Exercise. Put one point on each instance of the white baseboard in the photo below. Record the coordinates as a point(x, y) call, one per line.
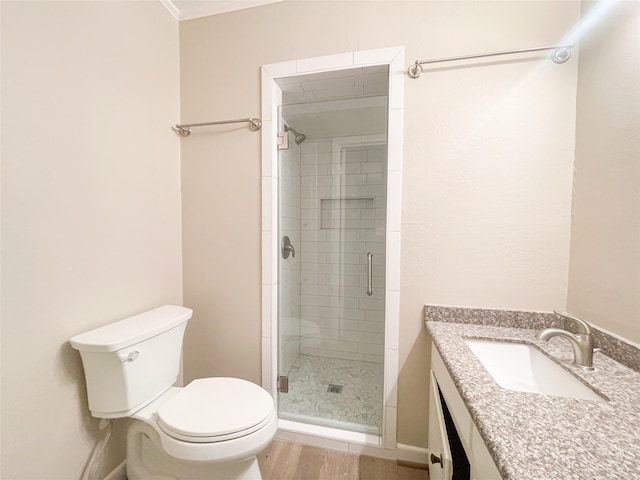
point(405, 453)
point(410, 453)
point(118, 473)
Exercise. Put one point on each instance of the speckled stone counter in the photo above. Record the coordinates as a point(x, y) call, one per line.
point(540, 437)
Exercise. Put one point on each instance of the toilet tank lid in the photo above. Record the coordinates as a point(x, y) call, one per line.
point(131, 330)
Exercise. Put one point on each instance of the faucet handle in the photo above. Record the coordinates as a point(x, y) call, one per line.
point(583, 326)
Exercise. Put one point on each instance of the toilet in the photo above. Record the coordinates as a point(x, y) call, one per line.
point(211, 429)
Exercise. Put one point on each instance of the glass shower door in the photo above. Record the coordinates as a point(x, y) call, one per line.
point(289, 282)
point(332, 219)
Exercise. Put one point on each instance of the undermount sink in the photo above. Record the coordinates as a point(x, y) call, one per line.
point(523, 368)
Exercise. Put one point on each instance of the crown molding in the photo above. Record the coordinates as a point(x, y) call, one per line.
point(211, 7)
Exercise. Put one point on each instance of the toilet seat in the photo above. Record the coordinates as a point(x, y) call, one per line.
point(210, 410)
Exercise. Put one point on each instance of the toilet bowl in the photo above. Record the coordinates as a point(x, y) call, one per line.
point(212, 428)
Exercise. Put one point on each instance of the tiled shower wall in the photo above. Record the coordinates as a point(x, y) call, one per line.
point(343, 206)
point(289, 302)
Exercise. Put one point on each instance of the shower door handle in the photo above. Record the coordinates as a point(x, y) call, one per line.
point(369, 273)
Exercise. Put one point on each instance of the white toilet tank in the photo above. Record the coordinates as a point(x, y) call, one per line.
point(129, 363)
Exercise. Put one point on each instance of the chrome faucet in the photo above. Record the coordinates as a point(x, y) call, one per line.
point(582, 342)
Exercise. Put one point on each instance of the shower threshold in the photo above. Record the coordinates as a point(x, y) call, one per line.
point(331, 423)
point(302, 432)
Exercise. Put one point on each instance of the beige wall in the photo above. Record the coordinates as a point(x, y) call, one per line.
point(488, 154)
point(604, 275)
point(90, 209)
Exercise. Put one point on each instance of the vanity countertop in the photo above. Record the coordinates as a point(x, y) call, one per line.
point(541, 437)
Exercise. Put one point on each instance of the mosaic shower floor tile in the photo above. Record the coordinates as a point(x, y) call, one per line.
point(312, 387)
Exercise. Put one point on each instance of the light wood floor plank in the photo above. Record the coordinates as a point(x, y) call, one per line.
point(339, 466)
point(372, 467)
point(293, 461)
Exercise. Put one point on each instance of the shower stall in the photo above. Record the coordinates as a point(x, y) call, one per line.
point(332, 218)
point(331, 201)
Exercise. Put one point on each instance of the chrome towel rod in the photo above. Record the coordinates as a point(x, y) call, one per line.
point(185, 129)
point(560, 54)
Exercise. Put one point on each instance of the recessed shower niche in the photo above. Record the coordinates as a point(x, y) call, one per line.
point(330, 315)
point(352, 213)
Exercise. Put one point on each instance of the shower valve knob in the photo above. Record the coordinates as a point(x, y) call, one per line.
point(286, 248)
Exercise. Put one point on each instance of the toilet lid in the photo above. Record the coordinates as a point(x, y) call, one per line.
point(216, 409)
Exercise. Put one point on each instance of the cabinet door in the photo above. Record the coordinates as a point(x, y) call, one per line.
point(440, 464)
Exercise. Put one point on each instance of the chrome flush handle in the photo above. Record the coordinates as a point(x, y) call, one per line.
point(132, 355)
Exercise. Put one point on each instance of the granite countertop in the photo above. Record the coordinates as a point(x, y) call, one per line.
point(540, 437)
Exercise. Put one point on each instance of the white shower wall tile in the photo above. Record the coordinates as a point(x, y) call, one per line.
point(395, 138)
point(393, 255)
point(267, 203)
point(397, 77)
point(392, 307)
point(266, 309)
point(374, 338)
point(267, 264)
point(268, 148)
point(337, 346)
point(370, 349)
point(267, 100)
point(391, 376)
point(266, 360)
point(394, 202)
point(390, 431)
point(376, 317)
point(339, 225)
point(370, 325)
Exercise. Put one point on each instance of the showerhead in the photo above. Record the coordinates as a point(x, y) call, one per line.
point(299, 137)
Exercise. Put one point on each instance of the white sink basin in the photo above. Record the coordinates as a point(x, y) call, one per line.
point(524, 368)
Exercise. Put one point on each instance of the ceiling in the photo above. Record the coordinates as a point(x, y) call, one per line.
point(188, 9)
point(340, 103)
point(350, 83)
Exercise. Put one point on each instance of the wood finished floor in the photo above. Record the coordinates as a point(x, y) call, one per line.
point(292, 461)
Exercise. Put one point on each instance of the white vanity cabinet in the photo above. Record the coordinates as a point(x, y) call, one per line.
point(440, 465)
point(446, 450)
